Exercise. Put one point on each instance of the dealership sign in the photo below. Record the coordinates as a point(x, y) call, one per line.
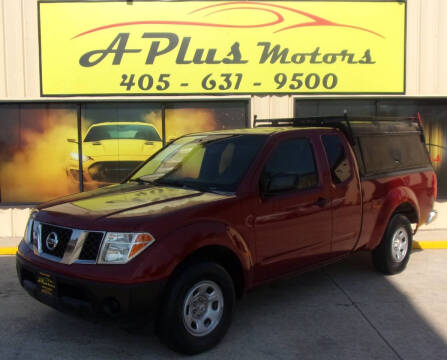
point(221, 47)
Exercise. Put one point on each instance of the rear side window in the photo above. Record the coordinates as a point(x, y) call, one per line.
point(294, 157)
point(392, 153)
point(338, 160)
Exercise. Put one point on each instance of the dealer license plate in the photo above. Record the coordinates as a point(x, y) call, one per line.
point(46, 284)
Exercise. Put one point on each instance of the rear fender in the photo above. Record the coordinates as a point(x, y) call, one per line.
point(395, 198)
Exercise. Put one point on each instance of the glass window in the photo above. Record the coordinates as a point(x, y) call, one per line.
point(188, 118)
point(39, 144)
point(393, 153)
point(294, 157)
point(117, 137)
point(131, 132)
point(205, 162)
point(335, 107)
point(432, 111)
point(338, 161)
point(34, 151)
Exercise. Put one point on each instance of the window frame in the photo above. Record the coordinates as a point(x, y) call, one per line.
point(279, 141)
point(350, 160)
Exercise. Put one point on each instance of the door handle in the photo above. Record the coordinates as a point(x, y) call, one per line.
point(322, 202)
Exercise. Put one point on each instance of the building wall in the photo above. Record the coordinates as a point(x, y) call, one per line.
point(426, 54)
point(426, 73)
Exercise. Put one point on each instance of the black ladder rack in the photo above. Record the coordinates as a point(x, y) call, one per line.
point(353, 126)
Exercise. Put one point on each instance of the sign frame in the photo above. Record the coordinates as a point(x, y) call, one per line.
point(220, 93)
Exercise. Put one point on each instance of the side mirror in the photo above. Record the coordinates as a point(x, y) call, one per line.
point(72, 141)
point(271, 184)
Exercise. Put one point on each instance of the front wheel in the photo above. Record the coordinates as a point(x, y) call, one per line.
point(198, 308)
point(393, 253)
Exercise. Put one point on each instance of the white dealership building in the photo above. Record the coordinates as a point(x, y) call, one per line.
point(187, 66)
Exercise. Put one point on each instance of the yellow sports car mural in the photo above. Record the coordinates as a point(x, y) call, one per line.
point(111, 150)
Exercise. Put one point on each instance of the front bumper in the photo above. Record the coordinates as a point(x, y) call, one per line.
point(90, 297)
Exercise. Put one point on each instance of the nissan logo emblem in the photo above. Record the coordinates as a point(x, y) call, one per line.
point(51, 241)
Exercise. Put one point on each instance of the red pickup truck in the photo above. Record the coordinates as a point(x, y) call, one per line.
point(215, 214)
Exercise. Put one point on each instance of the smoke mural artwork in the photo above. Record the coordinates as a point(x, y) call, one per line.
point(39, 145)
point(33, 155)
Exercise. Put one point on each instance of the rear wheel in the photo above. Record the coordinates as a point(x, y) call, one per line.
point(393, 253)
point(198, 309)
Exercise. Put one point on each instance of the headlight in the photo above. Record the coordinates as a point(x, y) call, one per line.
point(119, 248)
point(75, 156)
point(30, 230)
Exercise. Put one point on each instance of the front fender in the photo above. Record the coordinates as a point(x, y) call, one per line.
point(394, 198)
point(167, 253)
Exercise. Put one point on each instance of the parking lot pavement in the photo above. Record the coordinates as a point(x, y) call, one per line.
point(344, 311)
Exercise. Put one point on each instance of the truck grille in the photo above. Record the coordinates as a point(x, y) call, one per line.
point(63, 244)
point(91, 246)
point(55, 240)
point(112, 171)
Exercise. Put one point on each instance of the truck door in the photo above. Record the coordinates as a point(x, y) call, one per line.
point(292, 226)
point(345, 195)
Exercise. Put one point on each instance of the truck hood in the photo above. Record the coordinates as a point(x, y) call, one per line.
point(124, 200)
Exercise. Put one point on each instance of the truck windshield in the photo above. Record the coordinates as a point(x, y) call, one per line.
point(209, 162)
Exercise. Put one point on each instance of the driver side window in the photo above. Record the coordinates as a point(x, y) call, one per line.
point(292, 161)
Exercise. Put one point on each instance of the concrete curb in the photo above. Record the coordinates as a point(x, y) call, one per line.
point(419, 245)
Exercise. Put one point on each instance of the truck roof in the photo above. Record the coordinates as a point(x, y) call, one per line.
point(262, 130)
point(352, 126)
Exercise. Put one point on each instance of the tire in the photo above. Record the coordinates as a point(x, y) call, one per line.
point(392, 254)
point(198, 308)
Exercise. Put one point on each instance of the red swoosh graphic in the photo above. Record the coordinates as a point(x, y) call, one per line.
point(317, 21)
point(279, 19)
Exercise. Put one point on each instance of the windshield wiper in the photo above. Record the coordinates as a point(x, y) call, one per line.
point(192, 185)
point(174, 183)
point(189, 185)
point(142, 181)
